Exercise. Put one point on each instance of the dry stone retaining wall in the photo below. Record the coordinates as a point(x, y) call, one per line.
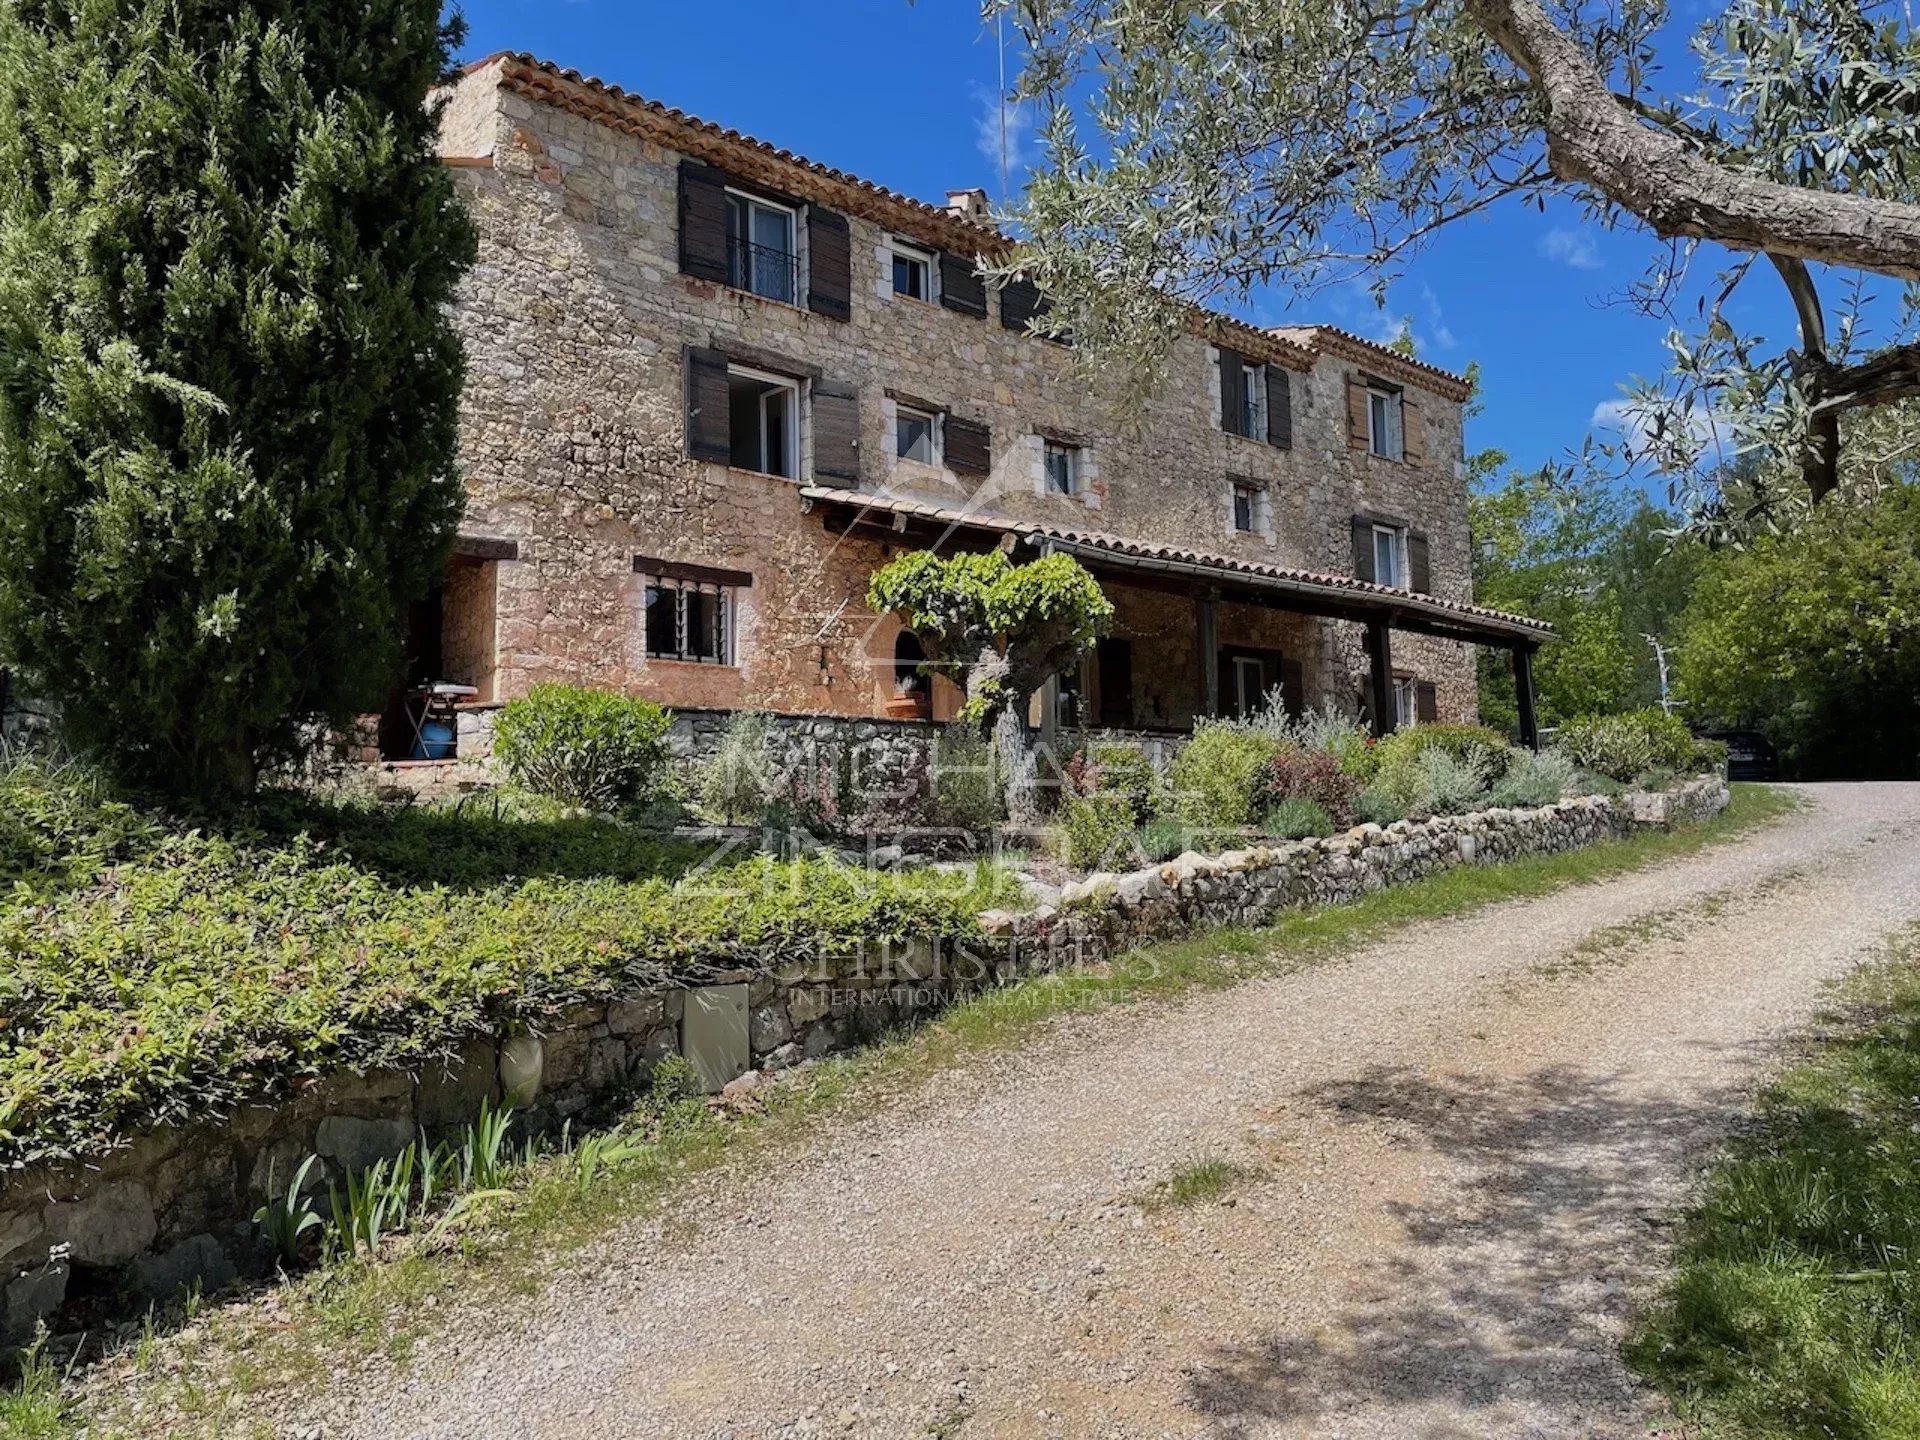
point(174, 1207)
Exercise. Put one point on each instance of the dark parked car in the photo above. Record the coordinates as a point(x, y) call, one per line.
point(1750, 755)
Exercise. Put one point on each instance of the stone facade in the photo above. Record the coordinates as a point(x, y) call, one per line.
point(173, 1207)
point(578, 322)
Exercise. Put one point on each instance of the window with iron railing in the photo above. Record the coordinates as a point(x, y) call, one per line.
point(761, 254)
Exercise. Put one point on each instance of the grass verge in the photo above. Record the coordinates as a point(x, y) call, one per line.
point(228, 1372)
point(1795, 1309)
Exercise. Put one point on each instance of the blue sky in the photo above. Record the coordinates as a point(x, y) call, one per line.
point(905, 94)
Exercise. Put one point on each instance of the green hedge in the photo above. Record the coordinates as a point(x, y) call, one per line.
point(212, 970)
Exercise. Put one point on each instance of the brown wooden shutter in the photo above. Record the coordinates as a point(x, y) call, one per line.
point(1359, 432)
point(1020, 302)
point(708, 432)
point(1426, 702)
point(1413, 432)
point(1293, 686)
point(961, 287)
point(969, 446)
point(1279, 407)
point(1233, 393)
point(829, 264)
point(1419, 563)
point(703, 222)
point(836, 431)
point(1362, 548)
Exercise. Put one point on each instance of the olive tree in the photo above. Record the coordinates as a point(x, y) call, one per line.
point(1196, 150)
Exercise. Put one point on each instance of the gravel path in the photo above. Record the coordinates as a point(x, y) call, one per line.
point(1464, 1137)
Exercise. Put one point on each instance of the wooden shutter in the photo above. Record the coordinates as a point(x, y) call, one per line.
point(1362, 548)
point(969, 446)
point(1233, 393)
point(1359, 432)
point(1419, 563)
point(708, 431)
point(1426, 702)
point(961, 287)
point(703, 222)
point(836, 431)
point(1293, 686)
point(829, 264)
point(1020, 302)
point(1413, 432)
point(1279, 407)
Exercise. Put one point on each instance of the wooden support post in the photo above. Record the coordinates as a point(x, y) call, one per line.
point(1523, 696)
point(1049, 771)
point(1205, 605)
point(1380, 647)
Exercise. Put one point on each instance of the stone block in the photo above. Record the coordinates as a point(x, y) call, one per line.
point(198, 1261)
point(522, 1060)
point(27, 1299)
point(768, 1027)
point(109, 1227)
point(353, 1142)
point(451, 1090)
point(637, 1014)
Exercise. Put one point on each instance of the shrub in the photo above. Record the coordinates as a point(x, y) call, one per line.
point(1297, 818)
point(1118, 769)
point(1215, 777)
point(967, 789)
point(61, 822)
point(1535, 779)
point(733, 783)
point(1424, 781)
point(1377, 807)
point(583, 747)
point(1624, 747)
point(1161, 840)
point(1098, 829)
point(1313, 775)
point(1474, 745)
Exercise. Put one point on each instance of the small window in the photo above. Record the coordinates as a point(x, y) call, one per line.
point(1406, 702)
point(1253, 418)
point(912, 272)
point(916, 436)
point(1246, 509)
point(688, 620)
point(1384, 424)
point(1249, 685)
point(1063, 468)
point(1387, 569)
point(763, 418)
point(760, 248)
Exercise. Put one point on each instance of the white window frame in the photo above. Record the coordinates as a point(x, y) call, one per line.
point(1244, 704)
point(1253, 390)
point(1396, 539)
point(793, 245)
point(901, 250)
point(1392, 444)
point(792, 388)
point(725, 613)
point(1075, 468)
point(935, 436)
point(1406, 702)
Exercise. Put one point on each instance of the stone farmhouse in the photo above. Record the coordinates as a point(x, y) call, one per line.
point(714, 385)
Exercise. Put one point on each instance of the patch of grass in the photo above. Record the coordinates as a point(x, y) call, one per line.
point(1198, 1182)
point(332, 1318)
point(1795, 1309)
point(33, 1408)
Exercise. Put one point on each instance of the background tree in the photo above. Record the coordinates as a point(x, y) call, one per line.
point(1814, 638)
point(1196, 151)
point(228, 378)
point(1005, 628)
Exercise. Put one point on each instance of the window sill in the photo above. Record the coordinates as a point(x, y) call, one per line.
point(679, 664)
point(722, 288)
point(761, 474)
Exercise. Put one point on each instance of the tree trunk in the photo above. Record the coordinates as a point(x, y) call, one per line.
point(998, 713)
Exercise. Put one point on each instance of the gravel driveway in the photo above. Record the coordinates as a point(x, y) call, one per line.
point(1465, 1140)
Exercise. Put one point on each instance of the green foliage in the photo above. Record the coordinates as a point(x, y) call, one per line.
point(1312, 775)
point(1474, 745)
point(1796, 1307)
point(1011, 625)
point(732, 785)
point(215, 969)
point(1436, 779)
point(967, 789)
point(1535, 779)
point(228, 252)
point(1296, 818)
point(1814, 638)
point(1161, 840)
point(286, 1218)
point(1216, 776)
point(1119, 769)
point(583, 747)
point(1377, 807)
point(33, 1407)
point(62, 822)
point(1625, 747)
point(1098, 830)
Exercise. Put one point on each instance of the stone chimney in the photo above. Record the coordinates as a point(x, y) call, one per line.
point(969, 205)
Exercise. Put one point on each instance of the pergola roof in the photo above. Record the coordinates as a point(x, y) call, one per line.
point(1339, 596)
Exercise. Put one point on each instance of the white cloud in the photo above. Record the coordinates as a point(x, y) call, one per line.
point(1641, 426)
point(987, 133)
point(1572, 248)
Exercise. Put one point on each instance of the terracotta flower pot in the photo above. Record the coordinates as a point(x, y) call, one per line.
point(910, 706)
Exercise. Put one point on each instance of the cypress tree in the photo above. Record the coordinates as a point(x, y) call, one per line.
point(229, 380)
